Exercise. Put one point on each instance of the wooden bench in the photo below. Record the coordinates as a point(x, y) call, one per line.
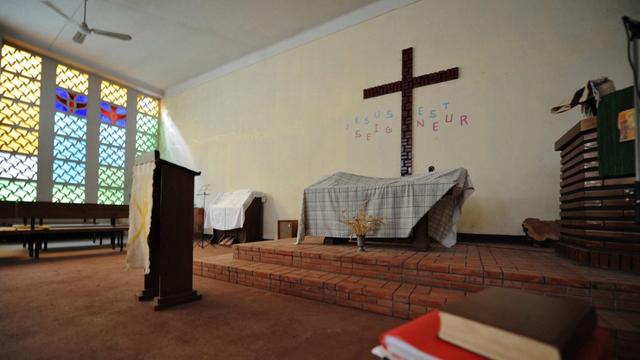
point(37, 235)
point(37, 239)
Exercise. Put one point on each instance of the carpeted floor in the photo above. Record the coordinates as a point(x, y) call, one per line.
point(80, 304)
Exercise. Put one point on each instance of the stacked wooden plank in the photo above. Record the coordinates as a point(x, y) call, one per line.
point(597, 215)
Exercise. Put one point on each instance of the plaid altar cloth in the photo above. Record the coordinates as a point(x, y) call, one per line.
point(402, 202)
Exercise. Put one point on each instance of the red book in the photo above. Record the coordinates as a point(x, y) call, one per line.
point(418, 339)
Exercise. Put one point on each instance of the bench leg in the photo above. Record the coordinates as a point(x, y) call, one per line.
point(121, 241)
point(100, 239)
point(30, 246)
point(112, 236)
point(46, 245)
point(24, 242)
point(38, 246)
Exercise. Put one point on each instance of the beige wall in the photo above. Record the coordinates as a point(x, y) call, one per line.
point(279, 125)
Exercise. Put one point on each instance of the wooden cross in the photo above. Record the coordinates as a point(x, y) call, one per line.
point(406, 85)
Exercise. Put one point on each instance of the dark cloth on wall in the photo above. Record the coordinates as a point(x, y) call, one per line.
point(615, 158)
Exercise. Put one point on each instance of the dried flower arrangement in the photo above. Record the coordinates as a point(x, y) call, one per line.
point(362, 223)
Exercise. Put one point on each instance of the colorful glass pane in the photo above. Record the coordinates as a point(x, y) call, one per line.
point(21, 62)
point(110, 196)
point(112, 138)
point(111, 177)
point(113, 93)
point(16, 190)
point(69, 149)
point(68, 193)
point(69, 102)
point(19, 88)
point(72, 79)
point(146, 124)
point(16, 166)
point(112, 114)
point(20, 73)
point(69, 152)
point(15, 113)
point(148, 105)
point(146, 133)
point(145, 143)
point(112, 135)
point(111, 155)
point(68, 172)
point(71, 126)
point(18, 140)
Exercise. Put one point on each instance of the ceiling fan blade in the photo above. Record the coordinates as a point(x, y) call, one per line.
point(111, 34)
point(60, 12)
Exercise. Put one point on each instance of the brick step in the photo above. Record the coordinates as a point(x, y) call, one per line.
point(394, 298)
point(390, 298)
point(312, 283)
point(383, 297)
point(533, 270)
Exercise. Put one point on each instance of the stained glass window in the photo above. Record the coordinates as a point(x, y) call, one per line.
point(71, 79)
point(20, 99)
point(113, 93)
point(67, 101)
point(112, 144)
point(20, 73)
point(113, 114)
point(148, 105)
point(147, 124)
point(70, 140)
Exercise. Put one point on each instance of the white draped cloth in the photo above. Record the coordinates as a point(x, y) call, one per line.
point(140, 216)
point(225, 210)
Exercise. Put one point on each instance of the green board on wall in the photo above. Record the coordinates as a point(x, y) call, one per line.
point(615, 158)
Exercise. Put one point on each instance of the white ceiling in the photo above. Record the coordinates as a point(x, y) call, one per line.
point(173, 40)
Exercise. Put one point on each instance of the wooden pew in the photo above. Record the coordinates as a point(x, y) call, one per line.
point(8, 209)
point(30, 211)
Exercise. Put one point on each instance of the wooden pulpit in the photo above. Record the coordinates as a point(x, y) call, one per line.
point(170, 279)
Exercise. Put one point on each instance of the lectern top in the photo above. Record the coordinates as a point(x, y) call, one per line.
point(155, 156)
point(583, 125)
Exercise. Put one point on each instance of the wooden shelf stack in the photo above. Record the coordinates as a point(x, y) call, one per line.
point(597, 215)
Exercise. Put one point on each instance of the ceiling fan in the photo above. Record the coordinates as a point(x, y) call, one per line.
point(84, 28)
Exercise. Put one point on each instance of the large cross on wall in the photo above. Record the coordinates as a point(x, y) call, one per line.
point(406, 86)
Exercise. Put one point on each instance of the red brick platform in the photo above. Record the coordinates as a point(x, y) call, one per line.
point(406, 284)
